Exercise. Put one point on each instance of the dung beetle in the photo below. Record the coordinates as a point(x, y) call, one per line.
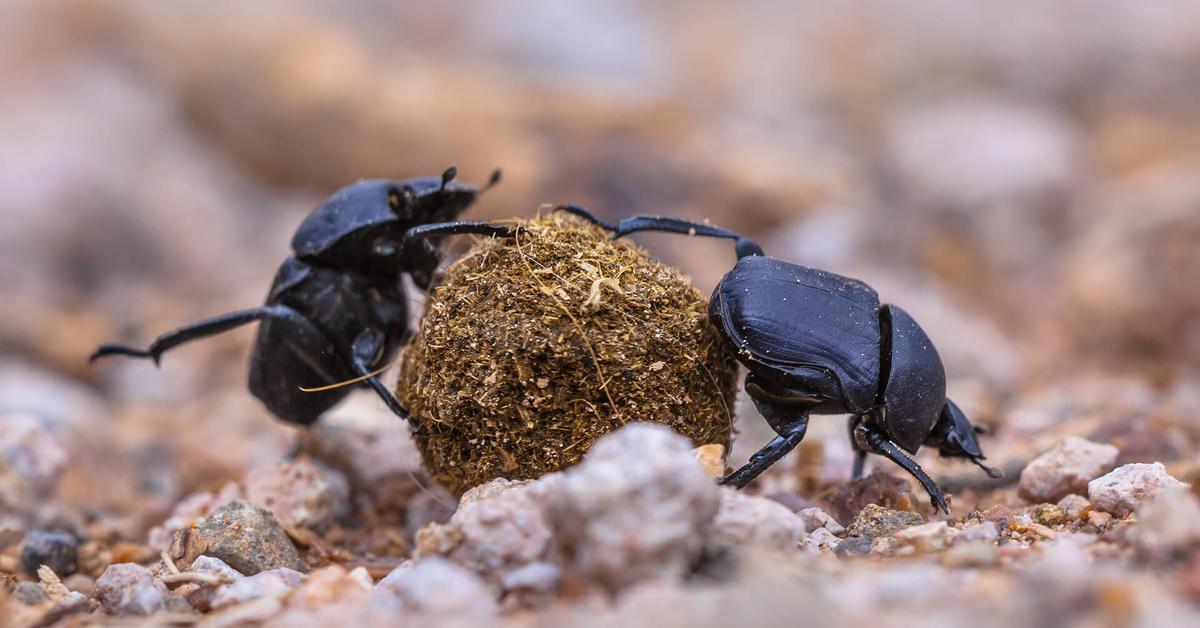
point(814, 342)
point(337, 308)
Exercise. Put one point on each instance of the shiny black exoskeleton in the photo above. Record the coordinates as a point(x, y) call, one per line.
point(337, 309)
point(818, 343)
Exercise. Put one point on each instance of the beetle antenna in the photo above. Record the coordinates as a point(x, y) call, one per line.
point(492, 181)
point(449, 175)
point(992, 472)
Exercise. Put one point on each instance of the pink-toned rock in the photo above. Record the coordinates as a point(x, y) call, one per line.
point(434, 586)
point(1121, 491)
point(130, 589)
point(751, 520)
point(299, 492)
point(1066, 468)
point(497, 528)
point(273, 583)
point(31, 460)
point(1168, 526)
point(639, 506)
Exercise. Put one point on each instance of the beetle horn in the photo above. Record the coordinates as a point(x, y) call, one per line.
point(449, 175)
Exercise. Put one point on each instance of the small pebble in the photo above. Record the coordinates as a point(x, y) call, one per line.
point(54, 548)
point(299, 493)
point(819, 541)
point(972, 554)
point(1066, 468)
point(215, 567)
point(438, 586)
point(985, 531)
point(875, 521)
point(1121, 491)
point(1074, 506)
point(29, 593)
point(927, 537)
point(853, 546)
point(247, 538)
point(1049, 514)
point(750, 520)
point(711, 458)
point(130, 589)
point(273, 583)
point(815, 518)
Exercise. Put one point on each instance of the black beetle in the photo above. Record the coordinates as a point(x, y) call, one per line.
point(818, 343)
point(337, 308)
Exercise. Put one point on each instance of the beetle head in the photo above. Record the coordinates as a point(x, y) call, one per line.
point(954, 436)
point(360, 227)
point(912, 379)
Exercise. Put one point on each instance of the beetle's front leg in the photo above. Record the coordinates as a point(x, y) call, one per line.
point(769, 454)
point(366, 350)
point(886, 448)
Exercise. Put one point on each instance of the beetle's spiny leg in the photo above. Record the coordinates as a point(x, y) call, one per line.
point(889, 450)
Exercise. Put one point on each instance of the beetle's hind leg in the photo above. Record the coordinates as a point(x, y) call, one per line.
point(366, 350)
point(195, 331)
point(886, 448)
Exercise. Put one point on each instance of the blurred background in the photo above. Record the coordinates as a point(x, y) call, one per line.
point(1022, 177)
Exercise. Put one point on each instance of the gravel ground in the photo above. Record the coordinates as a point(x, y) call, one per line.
point(1020, 178)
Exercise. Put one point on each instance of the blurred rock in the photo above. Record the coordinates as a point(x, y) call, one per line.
point(1168, 526)
point(638, 506)
point(749, 520)
point(819, 541)
point(1073, 505)
point(498, 528)
point(245, 537)
point(817, 518)
point(31, 461)
point(1121, 491)
point(878, 488)
point(927, 537)
point(129, 589)
point(975, 554)
point(985, 531)
point(29, 593)
point(331, 595)
point(711, 458)
point(215, 567)
point(875, 521)
point(1066, 468)
point(434, 586)
point(272, 583)
point(299, 493)
point(533, 583)
point(190, 508)
point(1049, 514)
point(56, 549)
point(379, 460)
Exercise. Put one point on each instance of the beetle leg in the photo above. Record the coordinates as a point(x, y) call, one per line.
point(460, 226)
point(195, 331)
point(364, 352)
point(745, 246)
point(889, 450)
point(576, 210)
point(770, 453)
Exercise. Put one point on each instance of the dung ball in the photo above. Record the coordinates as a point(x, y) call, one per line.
point(535, 346)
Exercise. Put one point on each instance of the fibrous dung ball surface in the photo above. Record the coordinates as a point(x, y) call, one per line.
point(535, 346)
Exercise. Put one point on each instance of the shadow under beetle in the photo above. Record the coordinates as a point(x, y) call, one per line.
point(337, 309)
point(814, 342)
